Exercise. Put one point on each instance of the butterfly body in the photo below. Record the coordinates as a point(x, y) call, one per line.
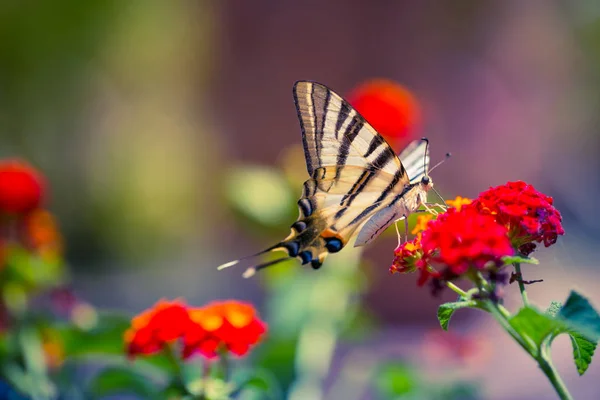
point(357, 185)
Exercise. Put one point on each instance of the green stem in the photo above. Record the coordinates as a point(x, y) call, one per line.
point(175, 362)
point(501, 315)
point(224, 361)
point(549, 370)
point(457, 290)
point(521, 284)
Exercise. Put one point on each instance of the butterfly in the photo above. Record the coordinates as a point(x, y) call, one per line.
point(358, 186)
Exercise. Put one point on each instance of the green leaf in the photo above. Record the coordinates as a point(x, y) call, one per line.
point(395, 379)
point(520, 260)
point(446, 310)
point(579, 314)
point(577, 319)
point(531, 323)
point(583, 351)
point(119, 380)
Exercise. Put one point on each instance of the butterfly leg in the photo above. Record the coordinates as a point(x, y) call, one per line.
point(398, 233)
point(405, 228)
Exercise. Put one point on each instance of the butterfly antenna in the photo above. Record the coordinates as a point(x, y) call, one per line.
point(440, 196)
point(448, 155)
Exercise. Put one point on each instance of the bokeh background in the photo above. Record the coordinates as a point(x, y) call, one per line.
point(155, 122)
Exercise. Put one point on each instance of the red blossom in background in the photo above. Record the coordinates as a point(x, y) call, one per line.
point(153, 329)
point(528, 214)
point(21, 187)
point(389, 107)
point(223, 326)
point(466, 239)
point(229, 326)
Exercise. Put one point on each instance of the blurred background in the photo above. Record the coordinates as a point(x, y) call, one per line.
point(169, 139)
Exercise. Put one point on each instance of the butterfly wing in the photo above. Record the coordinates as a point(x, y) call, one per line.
point(353, 173)
point(415, 158)
point(334, 134)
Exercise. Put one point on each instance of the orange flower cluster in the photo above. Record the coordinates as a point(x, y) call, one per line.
point(229, 326)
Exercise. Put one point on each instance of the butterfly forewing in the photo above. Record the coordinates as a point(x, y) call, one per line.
point(334, 134)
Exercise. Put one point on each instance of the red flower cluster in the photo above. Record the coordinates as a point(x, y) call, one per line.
point(528, 214)
point(389, 107)
point(466, 239)
point(228, 325)
point(478, 235)
point(154, 328)
point(21, 187)
point(223, 326)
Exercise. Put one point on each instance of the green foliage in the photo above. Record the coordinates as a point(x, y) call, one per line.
point(261, 195)
point(534, 325)
point(583, 351)
point(583, 348)
point(577, 318)
point(579, 313)
point(120, 380)
point(446, 310)
point(395, 379)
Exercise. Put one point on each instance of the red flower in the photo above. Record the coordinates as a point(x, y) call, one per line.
point(528, 214)
point(409, 257)
point(154, 328)
point(466, 239)
point(21, 187)
point(223, 326)
point(389, 107)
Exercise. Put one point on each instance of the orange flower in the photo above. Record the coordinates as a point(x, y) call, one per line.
point(154, 328)
point(223, 326)
point(42, 234)
point(422, 221)
point(459, 202)
point(54, 351)
point(389, 107)
point(21, 187)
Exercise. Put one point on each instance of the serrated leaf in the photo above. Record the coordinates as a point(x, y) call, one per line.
point(520, 260)
point(117, 380)
point(579, 315)
point(565, 321)
point(446, 310)
point(583, 351)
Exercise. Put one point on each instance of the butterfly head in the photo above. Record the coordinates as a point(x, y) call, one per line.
point(426, 183)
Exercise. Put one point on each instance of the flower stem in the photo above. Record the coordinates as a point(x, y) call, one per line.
point(457, 290)
point(521, 284)
point(549, 370)
point(173, 358)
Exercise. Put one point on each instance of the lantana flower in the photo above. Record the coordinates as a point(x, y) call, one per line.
point(220, 327)
point(21, 187)
point(465, 239)
point(528, 214)
point(389, 107)
point(157, 327)
point(229, 326)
